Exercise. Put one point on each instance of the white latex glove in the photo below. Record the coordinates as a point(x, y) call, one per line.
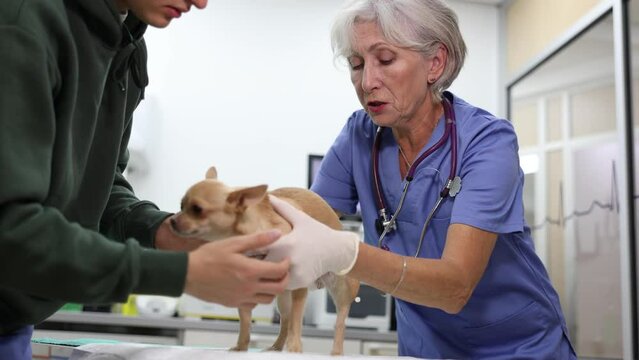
point(313, 248)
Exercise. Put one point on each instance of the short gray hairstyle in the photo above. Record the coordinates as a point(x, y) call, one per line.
point(420, 25)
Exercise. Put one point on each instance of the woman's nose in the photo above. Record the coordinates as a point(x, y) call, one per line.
point(200, 4)
point(370, 78)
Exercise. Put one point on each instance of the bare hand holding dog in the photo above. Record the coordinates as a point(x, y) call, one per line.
point(314, 248)
point(220, 272)
point(165, 239)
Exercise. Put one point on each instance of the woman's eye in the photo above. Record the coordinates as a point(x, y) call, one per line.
point(386, 61)
point(355, 63)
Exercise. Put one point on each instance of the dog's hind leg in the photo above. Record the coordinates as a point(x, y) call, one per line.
point(284, 308)
point(245, 330)
point(343, 290)
point(340, 326)
point(294, 341)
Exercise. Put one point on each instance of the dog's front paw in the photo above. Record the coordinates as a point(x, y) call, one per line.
point(294, 346)
point(273, 348)
point(239, 348)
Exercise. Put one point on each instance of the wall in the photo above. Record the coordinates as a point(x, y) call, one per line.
point(251, 87)
point(532, 26)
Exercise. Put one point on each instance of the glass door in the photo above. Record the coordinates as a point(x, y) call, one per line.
point(565, 115)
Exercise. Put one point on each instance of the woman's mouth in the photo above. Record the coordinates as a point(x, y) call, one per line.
point(173, 12)
point(376, 106)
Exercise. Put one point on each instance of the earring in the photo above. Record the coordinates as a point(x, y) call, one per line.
point(431, 80)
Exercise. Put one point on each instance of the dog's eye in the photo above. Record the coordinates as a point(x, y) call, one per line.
point(196, 210)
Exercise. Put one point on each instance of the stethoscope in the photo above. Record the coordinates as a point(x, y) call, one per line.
point(383, 224)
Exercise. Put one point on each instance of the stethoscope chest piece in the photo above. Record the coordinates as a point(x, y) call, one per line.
point(455, 186)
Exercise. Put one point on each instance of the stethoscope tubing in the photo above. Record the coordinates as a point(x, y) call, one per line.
point(450, 131)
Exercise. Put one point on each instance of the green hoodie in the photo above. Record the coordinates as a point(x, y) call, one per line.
point(71, 229)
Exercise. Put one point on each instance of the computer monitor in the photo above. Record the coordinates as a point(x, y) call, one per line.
point(314, 162)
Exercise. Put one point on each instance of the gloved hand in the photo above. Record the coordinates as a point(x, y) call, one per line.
point(313, 248)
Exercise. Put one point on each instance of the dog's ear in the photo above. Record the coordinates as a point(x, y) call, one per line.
point(211, 173)
point(245, 197)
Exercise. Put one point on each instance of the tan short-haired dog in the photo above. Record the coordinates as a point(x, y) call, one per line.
point(212, 211)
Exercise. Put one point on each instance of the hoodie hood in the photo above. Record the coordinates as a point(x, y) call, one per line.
point(102, 19)
point(126, 38)
point(132, 54)
point(104, 22)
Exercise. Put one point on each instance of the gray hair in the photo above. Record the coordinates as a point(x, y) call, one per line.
point(420, 25)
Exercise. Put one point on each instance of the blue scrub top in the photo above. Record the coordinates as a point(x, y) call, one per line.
point(514, 311)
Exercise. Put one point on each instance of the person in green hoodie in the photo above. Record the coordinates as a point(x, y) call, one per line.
point(71, 228)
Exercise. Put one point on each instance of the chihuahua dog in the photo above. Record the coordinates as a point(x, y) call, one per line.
point(211, 210)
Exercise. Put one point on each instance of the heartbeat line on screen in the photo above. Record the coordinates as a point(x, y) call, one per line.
point(611, 205)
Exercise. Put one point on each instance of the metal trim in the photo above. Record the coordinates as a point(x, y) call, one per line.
point(623, 83)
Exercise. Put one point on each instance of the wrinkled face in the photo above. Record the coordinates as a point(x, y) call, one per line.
point(159, 13)
point(391, 82)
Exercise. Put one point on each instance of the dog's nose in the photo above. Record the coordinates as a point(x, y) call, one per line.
point(173, 222)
